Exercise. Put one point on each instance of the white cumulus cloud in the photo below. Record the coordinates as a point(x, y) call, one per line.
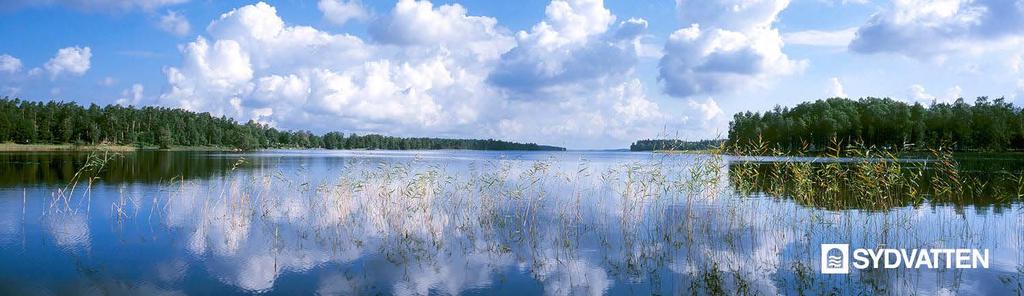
point(341, 11)
point(9, 64)
point(210, 75)
point(414, 22)
point(257, 67)
point(927, 28)
point(726, 44)
point(432, 70)
point(835, 88)
point(131, 96)
point(918, 93)
point(174, 23)
point(69, 60)
point(571, 49)
point(708, 109)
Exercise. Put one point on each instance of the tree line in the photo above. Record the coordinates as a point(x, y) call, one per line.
point(989, 125)
point(668, 144)
point(31, 122)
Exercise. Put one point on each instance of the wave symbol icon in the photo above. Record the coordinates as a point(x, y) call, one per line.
point(833, 258)
point(835, 261)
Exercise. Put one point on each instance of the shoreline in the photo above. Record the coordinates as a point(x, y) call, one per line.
point(13, 147)
point(1014, 154)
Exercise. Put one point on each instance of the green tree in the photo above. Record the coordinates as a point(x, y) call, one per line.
point(164, 138)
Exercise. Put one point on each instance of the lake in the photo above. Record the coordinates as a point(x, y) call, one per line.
point(504, 223)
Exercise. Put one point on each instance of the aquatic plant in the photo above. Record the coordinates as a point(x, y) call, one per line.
point(548, 216)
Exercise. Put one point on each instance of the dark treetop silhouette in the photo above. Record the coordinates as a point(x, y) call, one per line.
point(989, 125)
point(27, 122)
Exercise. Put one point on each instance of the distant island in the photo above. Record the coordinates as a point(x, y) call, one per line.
point(674, 145)
point(53, 124)
point(883, 123)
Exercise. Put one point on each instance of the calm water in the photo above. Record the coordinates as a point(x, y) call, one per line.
point(464, 222)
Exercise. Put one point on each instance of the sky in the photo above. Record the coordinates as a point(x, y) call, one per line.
point(572, 73)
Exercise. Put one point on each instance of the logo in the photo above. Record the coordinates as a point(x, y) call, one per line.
point(835, 258)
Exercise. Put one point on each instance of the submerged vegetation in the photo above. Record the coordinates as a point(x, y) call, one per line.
point(27, 122)
point(988, 125)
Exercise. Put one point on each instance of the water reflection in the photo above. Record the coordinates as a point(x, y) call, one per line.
point(543, 223)
point(58, 168)
point(868, 184)
point(68, 230)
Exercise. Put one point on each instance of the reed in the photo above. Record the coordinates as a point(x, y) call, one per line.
point(669, 212)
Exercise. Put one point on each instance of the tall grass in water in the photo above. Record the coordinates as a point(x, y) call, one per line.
point(95, 162)
point(643, 219)
point(855, 176)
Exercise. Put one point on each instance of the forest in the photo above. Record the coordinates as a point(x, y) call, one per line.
point(987, 125)
point(30, 122)
point(680, 145)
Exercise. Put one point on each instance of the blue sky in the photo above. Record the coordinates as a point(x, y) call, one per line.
point(577, 73)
